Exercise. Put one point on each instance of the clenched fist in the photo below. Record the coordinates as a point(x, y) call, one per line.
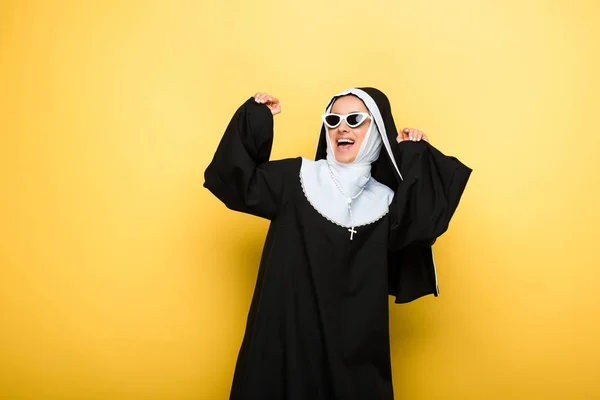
point(270, 101)
point(414, 135)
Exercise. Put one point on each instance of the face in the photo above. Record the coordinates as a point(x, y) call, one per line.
point(346, 150)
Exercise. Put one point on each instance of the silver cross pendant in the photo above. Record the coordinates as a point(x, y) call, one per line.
point(352, 232)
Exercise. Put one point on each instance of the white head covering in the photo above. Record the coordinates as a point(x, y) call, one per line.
point(353, 176)
point(319, 180)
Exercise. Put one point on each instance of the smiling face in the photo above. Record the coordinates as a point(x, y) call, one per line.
point(346, 141)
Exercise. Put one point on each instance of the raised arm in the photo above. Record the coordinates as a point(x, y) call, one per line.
point(421, 211)
point(428, 196)
point(240, 174)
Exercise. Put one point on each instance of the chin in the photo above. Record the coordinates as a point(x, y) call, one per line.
point(345, 158)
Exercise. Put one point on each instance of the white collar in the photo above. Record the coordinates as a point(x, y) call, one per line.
point(322, 193)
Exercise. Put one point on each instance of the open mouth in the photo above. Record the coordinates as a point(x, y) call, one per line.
point(345, 144)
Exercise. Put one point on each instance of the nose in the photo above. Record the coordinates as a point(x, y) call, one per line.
point(343, 127)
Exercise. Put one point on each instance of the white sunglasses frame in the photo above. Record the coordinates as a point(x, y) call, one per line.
point(344, 117)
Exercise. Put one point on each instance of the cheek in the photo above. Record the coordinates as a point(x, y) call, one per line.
point(330, 135)
point(360, 135)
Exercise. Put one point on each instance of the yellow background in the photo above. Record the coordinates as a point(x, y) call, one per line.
point(122, 278)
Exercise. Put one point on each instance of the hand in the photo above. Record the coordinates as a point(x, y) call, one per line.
point(414, 135)
point(270, 101)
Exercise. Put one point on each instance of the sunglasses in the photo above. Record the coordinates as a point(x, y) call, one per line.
point(352, 120)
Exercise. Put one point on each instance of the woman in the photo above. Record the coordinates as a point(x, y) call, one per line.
point(346, 230)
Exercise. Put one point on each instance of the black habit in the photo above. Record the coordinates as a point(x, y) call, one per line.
point(318, 325)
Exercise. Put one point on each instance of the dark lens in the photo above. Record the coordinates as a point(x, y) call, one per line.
point(332, 120)
point(355, 119)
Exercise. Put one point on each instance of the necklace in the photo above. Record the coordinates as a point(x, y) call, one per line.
point(349, 199)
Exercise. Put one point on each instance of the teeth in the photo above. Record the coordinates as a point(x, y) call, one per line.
point(340, 141)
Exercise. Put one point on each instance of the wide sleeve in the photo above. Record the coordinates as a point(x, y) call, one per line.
point(240, 174)
point(421, 211)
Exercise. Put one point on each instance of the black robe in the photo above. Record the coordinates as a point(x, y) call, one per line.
point(318, 325)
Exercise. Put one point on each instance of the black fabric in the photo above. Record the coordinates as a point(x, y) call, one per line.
point(421, 211)
point(318, 324)
point(240, 174)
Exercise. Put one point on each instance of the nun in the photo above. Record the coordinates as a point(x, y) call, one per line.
point(346, 230)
